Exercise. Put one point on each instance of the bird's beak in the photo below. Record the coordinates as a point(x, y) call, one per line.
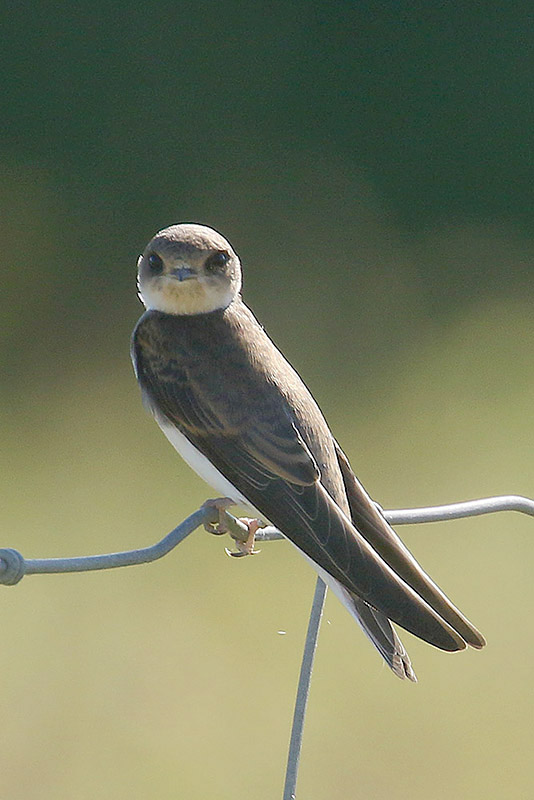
point(183, 273)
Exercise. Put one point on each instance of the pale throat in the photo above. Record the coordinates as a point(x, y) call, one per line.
point(188, 297)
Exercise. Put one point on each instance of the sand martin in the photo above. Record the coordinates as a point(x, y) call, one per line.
point(240, 415)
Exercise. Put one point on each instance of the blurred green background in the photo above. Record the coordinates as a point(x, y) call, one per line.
point(372, 164)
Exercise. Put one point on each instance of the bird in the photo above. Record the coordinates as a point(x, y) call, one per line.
point(240, 415)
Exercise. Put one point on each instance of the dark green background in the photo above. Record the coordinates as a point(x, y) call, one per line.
point(372, 164)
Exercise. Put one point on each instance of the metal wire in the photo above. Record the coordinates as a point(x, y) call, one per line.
point(303, 690)
point(13, 567)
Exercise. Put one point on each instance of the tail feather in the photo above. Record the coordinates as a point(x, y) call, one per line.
point(379, 630)
point(373, 623)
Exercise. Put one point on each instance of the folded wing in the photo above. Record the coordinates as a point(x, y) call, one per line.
point(376, 530)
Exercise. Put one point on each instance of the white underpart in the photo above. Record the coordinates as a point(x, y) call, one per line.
point(205, 469)
point(199, 463)
point(342, 594)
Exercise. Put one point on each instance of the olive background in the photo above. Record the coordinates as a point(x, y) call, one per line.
point(372, 165)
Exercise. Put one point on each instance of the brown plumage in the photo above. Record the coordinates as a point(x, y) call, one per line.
point(213, 375)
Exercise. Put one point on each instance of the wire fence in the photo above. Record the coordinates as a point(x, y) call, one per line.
point(13, 567)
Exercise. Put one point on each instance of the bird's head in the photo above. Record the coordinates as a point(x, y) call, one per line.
point(188, 269)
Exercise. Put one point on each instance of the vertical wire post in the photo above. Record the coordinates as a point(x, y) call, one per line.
point(303, 690)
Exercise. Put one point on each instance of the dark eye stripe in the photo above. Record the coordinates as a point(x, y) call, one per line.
point(217, 261)
point(155, 263)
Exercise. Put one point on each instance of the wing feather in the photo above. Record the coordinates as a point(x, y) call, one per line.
point(377, 531)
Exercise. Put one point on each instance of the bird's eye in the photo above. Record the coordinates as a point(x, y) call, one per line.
point(155, 263)
point(217, 261)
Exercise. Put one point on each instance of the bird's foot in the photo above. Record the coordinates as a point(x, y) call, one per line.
point(246, 548)
point(220, 504)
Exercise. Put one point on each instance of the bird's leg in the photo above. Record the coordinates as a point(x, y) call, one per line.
point(221, 504)
point(220, 526)
point(246, 548)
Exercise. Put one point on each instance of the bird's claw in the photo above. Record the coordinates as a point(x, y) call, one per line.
point(221, 504)
point(246, 548)
point(240, 553)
